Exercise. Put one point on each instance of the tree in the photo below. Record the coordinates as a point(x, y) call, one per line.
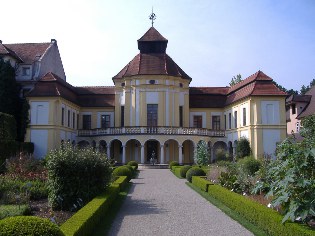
point(293, 175)
point(243, 148)
point(236, 80)
point(305, 89)
point(202, 154)
point(289, 92)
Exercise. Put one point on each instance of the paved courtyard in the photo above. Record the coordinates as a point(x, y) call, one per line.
point(158, 203)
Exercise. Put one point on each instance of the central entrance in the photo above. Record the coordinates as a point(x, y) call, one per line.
point(152, 150)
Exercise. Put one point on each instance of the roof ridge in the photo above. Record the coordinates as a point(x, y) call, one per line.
point(26, 43)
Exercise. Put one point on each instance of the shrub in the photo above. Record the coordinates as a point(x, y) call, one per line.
point(75, 176)
point(176, 171)
point(265, 218)
point(123, 171)
point(220, 155)
point(243, 148)
point(133, 163)
point(183, 171)
point(14, 210)
point(173, 163)
point(202, 153)
point(8, 148)
point(28, 225)
point(121, 181)
point(200, 182)
point(249, 165)
point(84, 221)
point(7, 127)
point(27, 147)
point(130, 168)
point(194, 171)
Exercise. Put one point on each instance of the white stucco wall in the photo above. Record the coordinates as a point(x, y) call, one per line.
point(39, 137)
point(270, 112)
point(270, 139)
point(39, 113)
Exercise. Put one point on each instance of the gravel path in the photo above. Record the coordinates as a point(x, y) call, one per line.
point(158, 203)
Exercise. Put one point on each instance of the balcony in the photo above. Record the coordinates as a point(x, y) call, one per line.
point(137, 130)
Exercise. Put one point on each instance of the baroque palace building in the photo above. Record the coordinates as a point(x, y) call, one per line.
point(152, 112)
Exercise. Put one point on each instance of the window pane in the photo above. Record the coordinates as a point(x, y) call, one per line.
point(235, 119)
point(86, 121)
point(244, 116)
point(152, 114)
point(216, 122)
point(198, 121)
point(105, 121)
point(180, 116)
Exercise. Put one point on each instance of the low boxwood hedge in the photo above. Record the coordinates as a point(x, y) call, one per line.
point(183, 171)
point(265, 218)
point(123, 171)
point(133, 163)
point(176, 171)
point(28, 225)
point(84, 221)
point(201, 183)
point(194, 171)
point(173, 163)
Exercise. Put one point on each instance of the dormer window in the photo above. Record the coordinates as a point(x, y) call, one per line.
point(152, 81)
point(181, 85)
point(26, 71)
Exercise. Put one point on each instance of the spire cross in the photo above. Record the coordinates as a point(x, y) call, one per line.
point(152, 17)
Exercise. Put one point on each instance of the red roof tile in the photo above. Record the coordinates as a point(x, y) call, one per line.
point(152, 35)
point(310, 109)
point(152, 64)
point(28, 52)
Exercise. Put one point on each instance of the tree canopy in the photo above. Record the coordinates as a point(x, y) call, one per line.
point(236, 79)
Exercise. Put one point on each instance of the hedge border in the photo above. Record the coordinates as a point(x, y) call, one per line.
point(265, 218)
point(84, 221)
point(201, 182)
point(176, 171)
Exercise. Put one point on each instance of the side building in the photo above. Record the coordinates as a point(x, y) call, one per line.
point(151, 111)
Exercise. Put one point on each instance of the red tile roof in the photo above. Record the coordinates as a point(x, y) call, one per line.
point(27, 52)
point(152, 64)
point(53, 86)
point(310, 109)
point(152, 35)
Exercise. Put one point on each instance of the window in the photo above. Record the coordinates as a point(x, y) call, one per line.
point(68, 118)
point(152, 114)
point(293, 109)
point(73, 120)
point(86, 121)
point(225, 122)
point(122, 117)
point(297, 127)
point(216, 122)
point(230, 120)
point(180, 116)
point(62, 116)
point(152, 81)
point(181, 85)
point(198, 121)
point(244, 116)
point(105, 121)
point(26, 71)
point(235, 119)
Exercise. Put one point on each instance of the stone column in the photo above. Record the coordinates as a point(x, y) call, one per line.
point(180, 154)
point(142, 154)
point(162, 154)
point(124, 154)
point(108, 151)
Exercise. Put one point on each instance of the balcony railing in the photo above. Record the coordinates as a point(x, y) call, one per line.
point(139, 130)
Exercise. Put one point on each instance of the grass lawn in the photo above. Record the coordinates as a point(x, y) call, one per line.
point(13, 210)
point(235, 216)
point(106, 223)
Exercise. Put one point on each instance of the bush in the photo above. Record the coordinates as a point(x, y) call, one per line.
point(7, 127)
point(28, 225)
point(176, 171)
point(202, 153)
point(194, 171)
point(8, 148)
point(75, 176)
point(84, 221)
point(201, 183)
point(265, 218)
point(130, 168)
point(121, 181)
point(243, 148)
point(123, 171)
point(133, 163)
point(249, 165)
point(14, 210)
point(173, 163)
point(27, 147)
point(183, 171)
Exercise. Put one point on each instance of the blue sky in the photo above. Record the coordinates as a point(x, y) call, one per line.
point(211, 40)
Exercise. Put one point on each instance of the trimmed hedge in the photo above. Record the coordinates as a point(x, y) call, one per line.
point(123, 171)
point(28, 225)
point(183, 171)
point(176, 171)
point(201, 183)
point(194, 171)
point(133, 163)
point(173, 163)
point(267, 219)
point(84, 221)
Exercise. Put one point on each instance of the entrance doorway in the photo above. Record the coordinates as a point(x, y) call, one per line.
point(152, 150)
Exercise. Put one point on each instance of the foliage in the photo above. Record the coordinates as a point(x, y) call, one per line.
point(194, 171)
point(14, 210)
point(243, 148)
point(265, 218)
point(84, 221)
point(305, 89)
point(133, 163)
point(249, 165)
point(123, 171)
point(7, 127)
point(235, 80)
point(183, 171)
point(75, 175)
point(176, 171)
point(27, 147)
point(220, 155)
point(22, 119)
point(202, 154)
point(201, 183)
point(122, 182)
point(8, 148)
point(289, 92)
point(28, 225)
point(173, 163)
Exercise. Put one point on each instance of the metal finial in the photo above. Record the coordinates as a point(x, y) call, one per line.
point(152, 17)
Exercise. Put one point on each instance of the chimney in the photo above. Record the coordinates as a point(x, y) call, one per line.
point(54, 41)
